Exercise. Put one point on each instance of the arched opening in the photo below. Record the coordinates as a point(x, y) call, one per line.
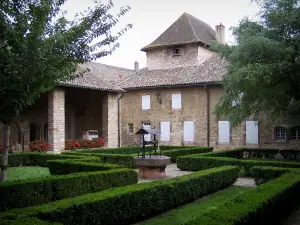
point(35, 132)
point(46, 132)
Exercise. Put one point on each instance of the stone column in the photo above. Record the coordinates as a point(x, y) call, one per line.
point(110, 119)
point(56, 120)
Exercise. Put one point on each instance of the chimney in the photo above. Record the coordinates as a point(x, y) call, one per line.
point(136, 66)
point(220, 33)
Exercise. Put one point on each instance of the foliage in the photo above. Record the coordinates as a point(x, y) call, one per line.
point(1, 148)
point(263, 77)
point(39, 146)
point(133, 203)
point(220, 158)
point(28, 221)
point(17, 194)
point(175, 153)
point(37, 159)
point(79, 144)
point(27, 172)
point(262, 205)
point(183, 214)
point(68, 166)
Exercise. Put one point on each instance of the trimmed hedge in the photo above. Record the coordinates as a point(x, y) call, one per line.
point(35, 159)
point(127, 150)
point(69, 166)
point(17, 194)
point(206, 161)
point(259, 206)
point(127, 159)
point(126, 205)
point(29, 221)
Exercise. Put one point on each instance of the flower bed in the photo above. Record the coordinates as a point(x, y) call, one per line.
point(39, 146)
point(79, 144)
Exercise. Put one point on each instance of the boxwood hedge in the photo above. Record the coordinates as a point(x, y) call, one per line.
point(208, 160)
point(259, 206)
point(67, 166)
point(26, 193)
point(126, 205)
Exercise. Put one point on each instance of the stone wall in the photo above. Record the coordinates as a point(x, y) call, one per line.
point(56, 120)
point(163, 58)
point(194, 107)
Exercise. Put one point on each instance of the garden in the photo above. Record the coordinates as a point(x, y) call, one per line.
point(102, 186)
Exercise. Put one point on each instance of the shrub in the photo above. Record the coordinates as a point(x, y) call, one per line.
point(68, 166)
point(262, 205)
point(175, 153)
point(28, 221)
point(26, 193)
point(126, 205)
point(78, 144)
point(39, 146)
point(37, 159)
point(214, 159)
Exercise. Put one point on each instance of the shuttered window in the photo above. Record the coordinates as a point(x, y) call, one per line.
point(251, 132)
point(165, 131)
point(145, 102)
point(224, 132)
point(189, 130)
point(176, 101)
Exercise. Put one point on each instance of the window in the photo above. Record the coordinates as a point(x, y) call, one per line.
point(280, 133)
point(189, 130)
point(46, 132)
point(130, 128)
point(295, 133)
point(165, 131)
point(145, 102)
point(176, 51)
point(176, 101)
point(251, 132)
point(224, 132)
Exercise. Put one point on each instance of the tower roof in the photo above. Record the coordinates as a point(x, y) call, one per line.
point(186, 29)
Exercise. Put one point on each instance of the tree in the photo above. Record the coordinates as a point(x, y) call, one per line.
point(263, 77)
point(40, 47)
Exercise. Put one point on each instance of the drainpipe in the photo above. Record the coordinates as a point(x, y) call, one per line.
point(207, 115)
point(119, 121)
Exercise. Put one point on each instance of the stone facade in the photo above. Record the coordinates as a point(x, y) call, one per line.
point(196, 102)
point(189, 55)
point(56, 120)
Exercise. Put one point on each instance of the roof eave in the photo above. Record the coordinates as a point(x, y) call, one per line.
point(92, 88)
point(215, 83)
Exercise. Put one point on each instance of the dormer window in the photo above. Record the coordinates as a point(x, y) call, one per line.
point(176, 51)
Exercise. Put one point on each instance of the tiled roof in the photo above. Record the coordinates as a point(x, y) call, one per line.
point(186, 29)
point(101, 77)
point(211, 71)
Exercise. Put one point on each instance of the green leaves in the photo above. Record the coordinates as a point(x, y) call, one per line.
point(264, 66)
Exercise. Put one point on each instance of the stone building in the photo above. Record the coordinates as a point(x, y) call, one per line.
point(176, 92)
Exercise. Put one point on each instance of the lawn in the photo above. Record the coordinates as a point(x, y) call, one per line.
point(184, 213)
point(26, 172)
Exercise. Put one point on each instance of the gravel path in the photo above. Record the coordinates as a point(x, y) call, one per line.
point(245, 181)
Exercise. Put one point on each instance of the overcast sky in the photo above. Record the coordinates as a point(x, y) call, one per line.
point(152, 17)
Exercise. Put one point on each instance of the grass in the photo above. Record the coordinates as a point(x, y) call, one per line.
point(185, 213)
point(26, 172)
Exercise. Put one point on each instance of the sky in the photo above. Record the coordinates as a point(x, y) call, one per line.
point(150, 18)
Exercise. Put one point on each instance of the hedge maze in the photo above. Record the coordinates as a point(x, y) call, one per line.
point(85, 189)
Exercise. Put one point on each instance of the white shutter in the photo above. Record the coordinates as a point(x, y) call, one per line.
point(188, 130)
point(146, 102)
point(251, 132)
point(176, 101)
point(224, 132)
point(165, 131)
point(147, 136)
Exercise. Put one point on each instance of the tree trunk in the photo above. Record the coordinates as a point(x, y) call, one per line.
point(4, 158)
